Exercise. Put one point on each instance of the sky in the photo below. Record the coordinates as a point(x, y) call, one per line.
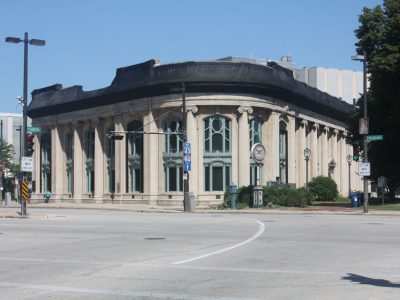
point(87, 40)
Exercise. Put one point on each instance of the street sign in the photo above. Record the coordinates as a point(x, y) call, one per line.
point(382, 182)
point(363, 125)
point(187, 167)
point(26, 164)
point(35, 130)
point(364, 169)
point(25, 190)
point(375, 137)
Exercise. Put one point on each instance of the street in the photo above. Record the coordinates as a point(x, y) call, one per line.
point(110, 254)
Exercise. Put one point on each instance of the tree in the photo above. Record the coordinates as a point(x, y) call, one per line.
point(379, 36)
point(6, 157)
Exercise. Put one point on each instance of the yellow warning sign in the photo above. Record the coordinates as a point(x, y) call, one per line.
point(25, 190)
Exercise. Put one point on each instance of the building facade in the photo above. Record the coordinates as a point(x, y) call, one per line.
point(229, 107)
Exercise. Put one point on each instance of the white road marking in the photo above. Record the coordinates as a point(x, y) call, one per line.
point(113, 292)
point(261, 229)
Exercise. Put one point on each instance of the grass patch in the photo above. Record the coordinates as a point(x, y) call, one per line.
point(395, 207)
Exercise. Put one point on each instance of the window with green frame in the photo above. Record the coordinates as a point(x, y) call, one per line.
point(134, 149)
point(217, 157)
point(172, 155)
point(111, 163)
point(89, 150)
point(45, 162)
point(69, 147)
point(255, 137)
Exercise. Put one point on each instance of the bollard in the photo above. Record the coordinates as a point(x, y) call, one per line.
point(233, 191)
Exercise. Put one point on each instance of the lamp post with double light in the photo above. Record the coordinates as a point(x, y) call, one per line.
point(34, 42)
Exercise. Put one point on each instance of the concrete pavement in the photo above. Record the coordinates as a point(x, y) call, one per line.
point(13, 210)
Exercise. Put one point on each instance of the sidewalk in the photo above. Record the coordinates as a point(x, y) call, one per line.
point(13, 210)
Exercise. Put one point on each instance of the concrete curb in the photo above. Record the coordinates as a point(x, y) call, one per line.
point(6, 213)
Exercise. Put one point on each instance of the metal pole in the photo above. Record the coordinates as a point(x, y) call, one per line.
point(365, 135)
point(306, 172)
point(186, 206)
point(349, 178)
point(24, 113)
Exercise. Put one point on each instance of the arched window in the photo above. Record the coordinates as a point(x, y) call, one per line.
point(255, 137)
point(134, 148)
point(111, 162)
point(89, 151)
point(45, 162)
point(172, 155)
point(283, 152)
point(69, 147)
point(217, 153)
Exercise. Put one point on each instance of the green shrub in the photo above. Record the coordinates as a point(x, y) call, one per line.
point(283, 195)
point(244, 198)
point(323, 188)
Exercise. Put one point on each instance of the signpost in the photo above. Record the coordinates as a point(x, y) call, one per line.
point(187, 157)
point(34, 130)
point(364, 169)
point(26, 164)
point(374, 138)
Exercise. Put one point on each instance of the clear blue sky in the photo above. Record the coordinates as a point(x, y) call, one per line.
point(88, 39)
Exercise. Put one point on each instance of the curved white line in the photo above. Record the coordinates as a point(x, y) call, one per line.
point(261, 229)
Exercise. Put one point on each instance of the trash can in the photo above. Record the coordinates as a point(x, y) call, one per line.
point(355, 199)
point(8, 198)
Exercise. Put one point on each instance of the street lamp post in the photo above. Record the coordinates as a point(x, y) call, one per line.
point(349, 158)
point(34, 42)
point(363, 58)
point(307, 154)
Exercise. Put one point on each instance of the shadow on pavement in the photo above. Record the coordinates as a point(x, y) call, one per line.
point(370, 281)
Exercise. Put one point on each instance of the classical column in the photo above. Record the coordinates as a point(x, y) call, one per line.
point(58, 163)
point(314, 150)
point(152, 167)
point(291, 150)
point(99, 158)
point(243, 146)
point(79, 163)
point(301, 144)
point(192, 138)
point(120, 160)
point(271, 143)
point(344, 168)
point(324, 151)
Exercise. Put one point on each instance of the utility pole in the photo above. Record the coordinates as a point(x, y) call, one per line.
point(186, 205)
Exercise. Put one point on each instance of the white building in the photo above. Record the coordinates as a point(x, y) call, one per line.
point(229, 107)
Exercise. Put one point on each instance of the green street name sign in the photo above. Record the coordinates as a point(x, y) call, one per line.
point(375, 137)
point(34, 129)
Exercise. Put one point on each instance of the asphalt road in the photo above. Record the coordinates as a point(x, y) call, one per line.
point(99, 254)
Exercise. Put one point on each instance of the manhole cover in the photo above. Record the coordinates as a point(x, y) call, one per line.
point(155, 238)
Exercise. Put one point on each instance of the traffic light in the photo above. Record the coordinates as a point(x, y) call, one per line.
point(356, 152)
point(29, 144)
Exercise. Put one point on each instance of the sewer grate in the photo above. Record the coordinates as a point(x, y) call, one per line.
point(155, 238)
point(375, 223)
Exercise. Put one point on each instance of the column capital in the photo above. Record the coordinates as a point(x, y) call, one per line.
point(303, 123)
point(315, 126)
point(194, 109)
point(243, 109)
point(325, 129)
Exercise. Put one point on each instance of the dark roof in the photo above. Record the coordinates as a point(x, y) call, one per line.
point(149, 79)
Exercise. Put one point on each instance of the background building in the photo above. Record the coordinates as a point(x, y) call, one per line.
point(10, 132)
point(346, 85)
point(229, 106)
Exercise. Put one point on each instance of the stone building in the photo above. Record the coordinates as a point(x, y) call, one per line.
point(229, 107)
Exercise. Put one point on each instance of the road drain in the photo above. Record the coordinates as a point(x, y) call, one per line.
point(375, 223)
point(155, 238)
